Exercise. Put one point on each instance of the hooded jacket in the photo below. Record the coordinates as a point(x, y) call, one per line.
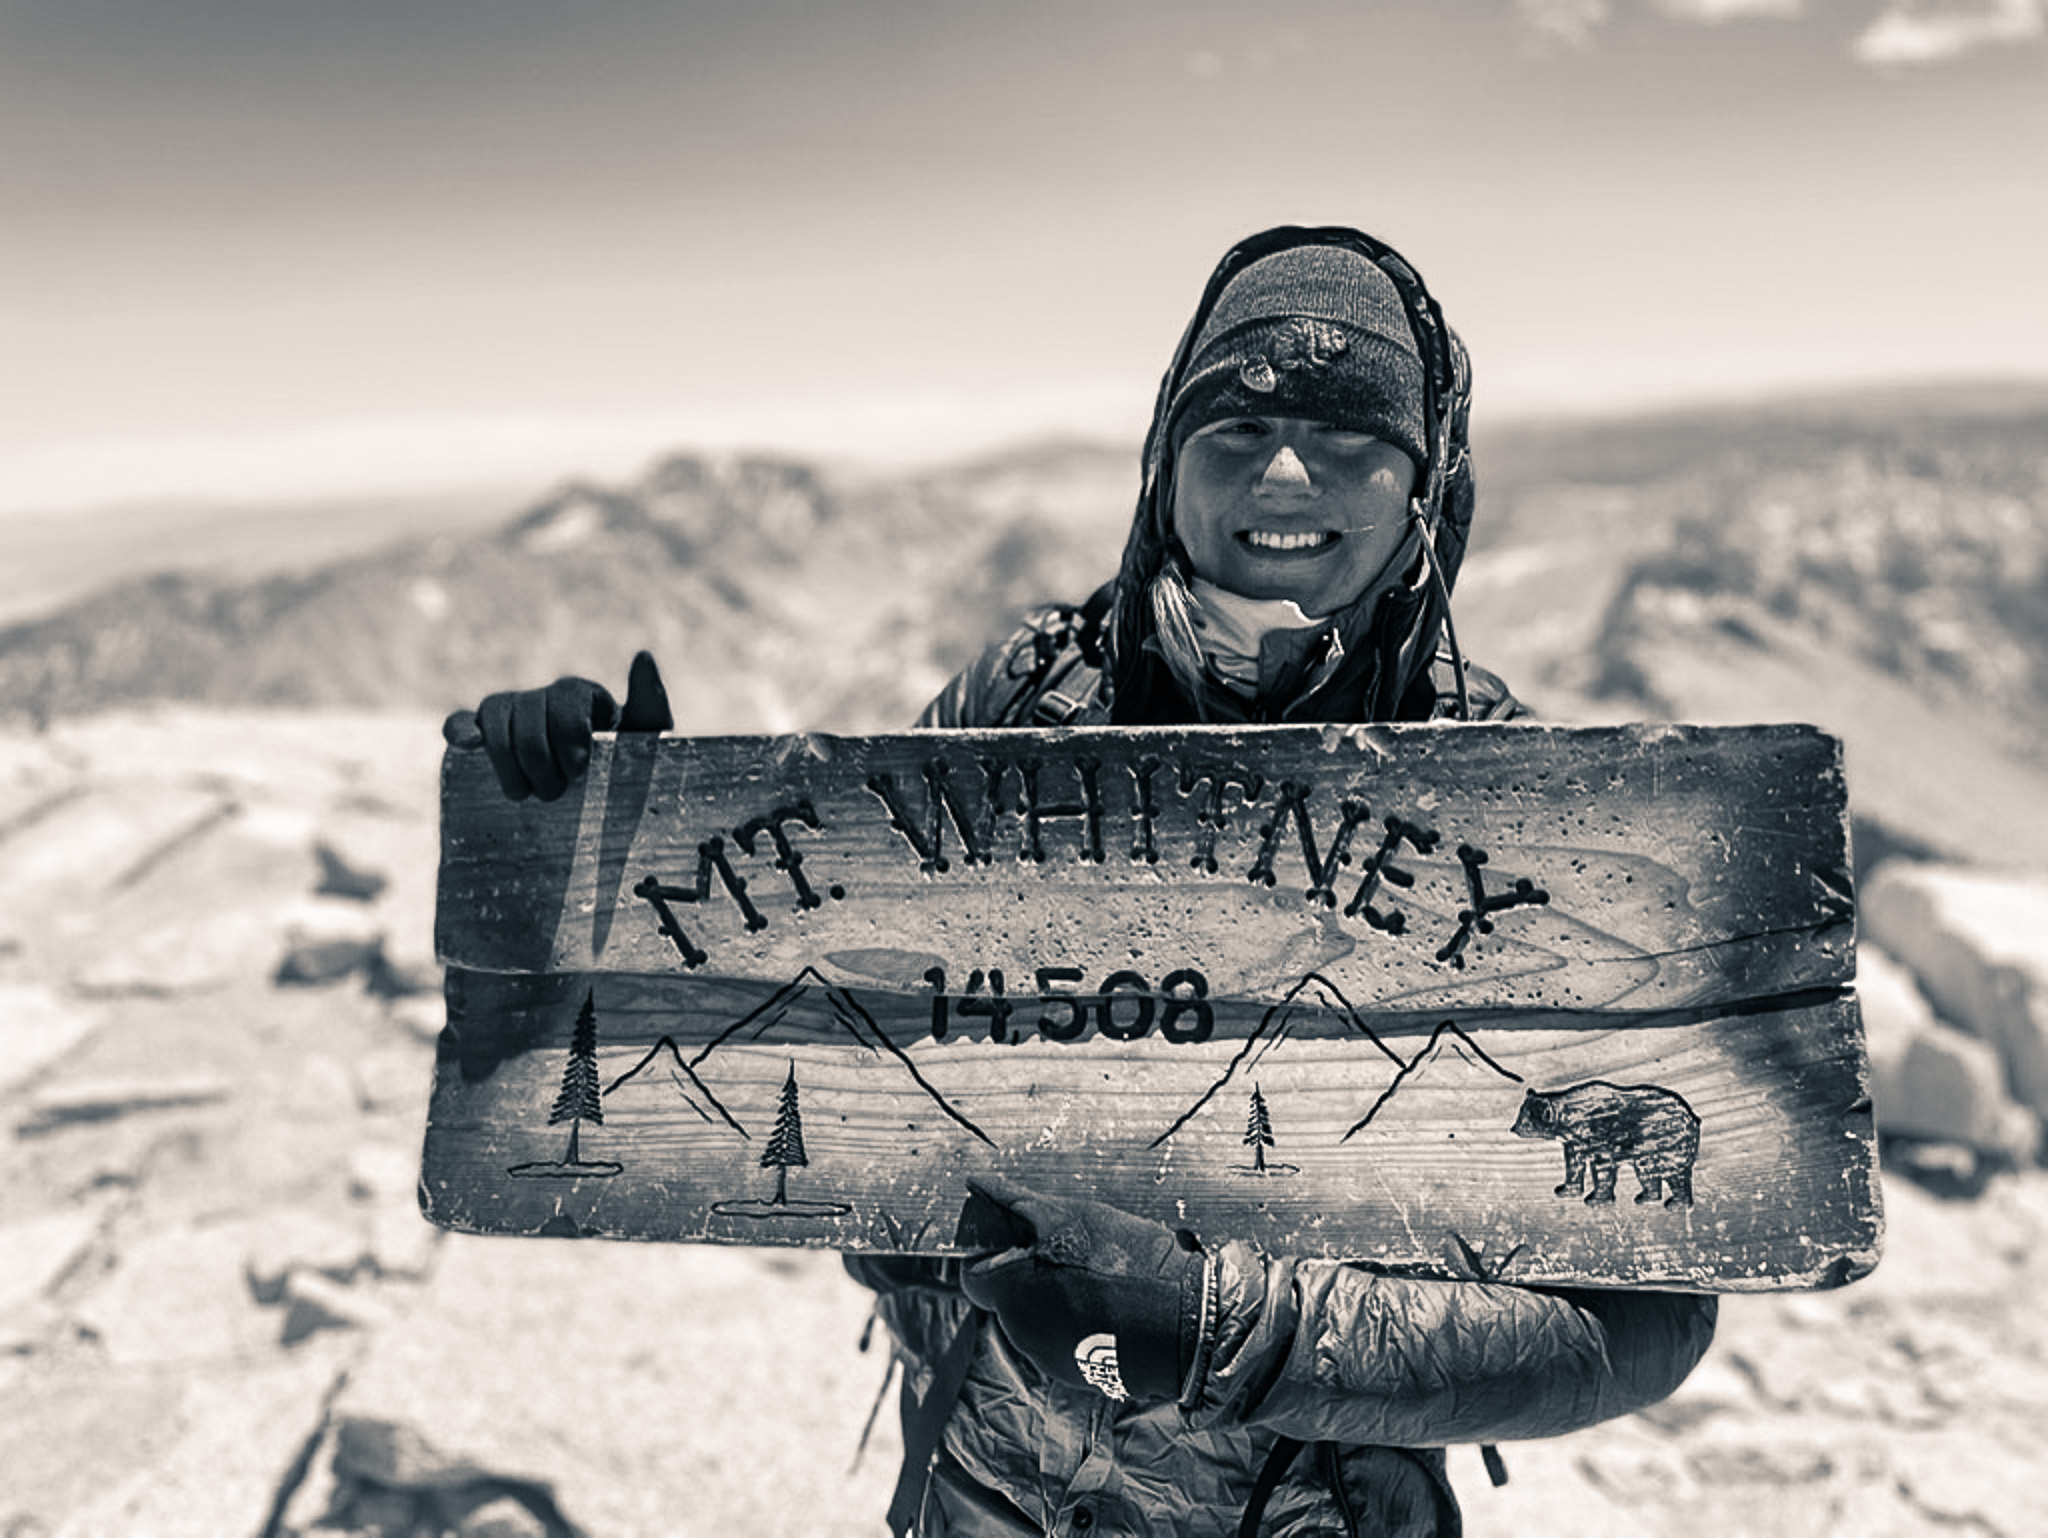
point(1390, 656)
point(1330, 1390)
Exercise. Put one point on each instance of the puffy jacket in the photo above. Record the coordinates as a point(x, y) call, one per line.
point(1330, 1390)
point(1339, 1386)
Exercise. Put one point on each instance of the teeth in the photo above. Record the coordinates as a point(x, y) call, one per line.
point(1262, 539)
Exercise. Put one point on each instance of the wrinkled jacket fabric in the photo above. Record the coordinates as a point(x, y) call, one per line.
point(1376, 1374)
point(1373, 1376)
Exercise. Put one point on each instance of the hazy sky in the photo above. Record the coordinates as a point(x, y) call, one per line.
point(265, 245)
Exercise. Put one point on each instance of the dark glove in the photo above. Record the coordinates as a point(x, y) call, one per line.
point(539, 739)
point(1091, 1294)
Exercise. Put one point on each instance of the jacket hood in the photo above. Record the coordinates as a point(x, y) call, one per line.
point(1389, 636)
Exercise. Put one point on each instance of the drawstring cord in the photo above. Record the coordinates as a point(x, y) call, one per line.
point(874, 1412)
point(1443, 593)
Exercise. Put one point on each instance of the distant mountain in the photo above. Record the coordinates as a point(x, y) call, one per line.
point(1906, 530)
point(56, 558)
point(775, 597)
point(1876, 562)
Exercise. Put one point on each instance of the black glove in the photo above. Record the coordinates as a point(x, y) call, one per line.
point(1091, 1294)
point(539, 739)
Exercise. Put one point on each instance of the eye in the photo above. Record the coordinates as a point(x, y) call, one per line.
point(1342, 440)
point(1236, 432)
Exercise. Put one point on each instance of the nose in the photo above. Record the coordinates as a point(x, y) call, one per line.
point(1286, 475)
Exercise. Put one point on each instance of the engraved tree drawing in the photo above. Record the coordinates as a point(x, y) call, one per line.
point(786, 1143)
point(578, 1101)
point(1258, 1129)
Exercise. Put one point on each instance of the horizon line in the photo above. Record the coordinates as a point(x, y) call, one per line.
point(521, 455)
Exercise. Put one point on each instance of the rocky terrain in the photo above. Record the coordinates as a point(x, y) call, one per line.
point(774, 594)
point(221, 1314)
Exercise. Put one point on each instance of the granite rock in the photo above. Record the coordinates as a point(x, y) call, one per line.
point(1977, 944)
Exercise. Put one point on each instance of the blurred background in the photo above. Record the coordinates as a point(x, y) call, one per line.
point(358, 360)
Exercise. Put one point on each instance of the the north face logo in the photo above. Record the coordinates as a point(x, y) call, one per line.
point(1096, 1357)
point(1298, 345)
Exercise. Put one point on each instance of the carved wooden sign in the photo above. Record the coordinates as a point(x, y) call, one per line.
point(1544, 1004)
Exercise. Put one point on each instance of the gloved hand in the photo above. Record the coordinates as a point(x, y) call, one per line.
point(539, 739)
point(1092, 1294)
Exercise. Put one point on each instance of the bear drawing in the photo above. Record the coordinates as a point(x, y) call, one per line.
point(1603, 1125)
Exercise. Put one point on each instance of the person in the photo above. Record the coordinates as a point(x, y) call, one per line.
point(1304, 505)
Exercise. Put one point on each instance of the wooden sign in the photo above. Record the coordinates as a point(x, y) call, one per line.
point(1512, 1001)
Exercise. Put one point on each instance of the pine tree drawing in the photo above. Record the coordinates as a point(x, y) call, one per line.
point(578, 1101)
point(786, 1143)
point(1258, 1129)
point(784, 1151)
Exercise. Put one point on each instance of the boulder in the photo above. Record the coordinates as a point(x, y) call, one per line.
point(180, 955)
point(81, 842)
point(503, 1516)
point(382, 1172)
point(310, 961)
point(314, 1302)
point(179, 1297)
point(379, 1476)
point(579, 1368)
point(391, 862)
point(200, 909)
point(100, 1100)
point(421, 1015)
point(1977, 944)
point(343, 877)
point(291, 1242)
point(230, 1437)
point(402, 1242)
point(405, 966)
point(1929, 1080)
point(326, 940)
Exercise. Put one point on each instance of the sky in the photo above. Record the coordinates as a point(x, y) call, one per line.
point(296, 248)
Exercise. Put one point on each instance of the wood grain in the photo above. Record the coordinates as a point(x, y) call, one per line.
point(1598, 964)
point(1676, 865)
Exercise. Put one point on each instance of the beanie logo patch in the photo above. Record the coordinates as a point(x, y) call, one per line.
point(1297, 345)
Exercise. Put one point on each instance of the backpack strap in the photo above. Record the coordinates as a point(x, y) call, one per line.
point(1066, 684)
point(1278, 1461)
point(924, 1422)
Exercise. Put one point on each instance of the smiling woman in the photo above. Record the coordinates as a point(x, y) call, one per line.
point(1306, 496)
point(1281, 507)
point(1305, 500)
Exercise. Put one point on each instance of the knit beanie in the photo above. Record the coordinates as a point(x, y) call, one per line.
point(1317, 332)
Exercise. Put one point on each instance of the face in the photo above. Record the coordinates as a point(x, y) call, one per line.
point(1281, 507)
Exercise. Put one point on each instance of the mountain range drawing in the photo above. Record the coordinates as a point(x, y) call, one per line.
point(1317, 993)
point(1447, 1040)
point(808, 1006)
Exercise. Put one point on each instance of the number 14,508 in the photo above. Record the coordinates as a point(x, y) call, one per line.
point(1124, 1005)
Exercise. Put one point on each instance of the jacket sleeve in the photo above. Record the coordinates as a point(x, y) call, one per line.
point(962, 701)
point(1321, 1351)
